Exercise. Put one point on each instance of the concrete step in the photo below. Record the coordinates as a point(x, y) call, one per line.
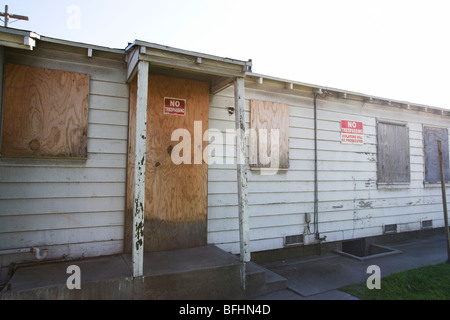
point(262, 281)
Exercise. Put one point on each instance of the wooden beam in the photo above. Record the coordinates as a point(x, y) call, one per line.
point(139, 169)
point(188, 63)
point(132, 59)
point(221, 84)
point(242, 172)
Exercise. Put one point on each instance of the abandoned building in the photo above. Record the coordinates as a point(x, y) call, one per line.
point(267, 167)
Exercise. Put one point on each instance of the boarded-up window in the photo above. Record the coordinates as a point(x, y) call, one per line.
point(45, 113)
point(269, 134)
point(393, 153)
point(432, 165)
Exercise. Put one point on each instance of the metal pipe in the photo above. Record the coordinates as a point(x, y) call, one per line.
point(39, 254)
point(316, 196)
point(12, 251)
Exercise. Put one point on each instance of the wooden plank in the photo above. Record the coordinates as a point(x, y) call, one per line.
point(61, 174)
point(273, 117)
point(74, 250)
point(45, 113)
point(242, 172)
point(132, 61)
point(107, 131)
point(111, 89)
point(107, 146)
point(29, 223)
point(108, 117)
point(95, 160)
point(61, 205)
point(59, 236)
point(109, 71)
point(137, 249)
point(108, 103)
point(61, 190)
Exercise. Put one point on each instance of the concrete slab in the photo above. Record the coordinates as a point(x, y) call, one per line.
point(318, 277)
point(188, 274)
point(184, 260)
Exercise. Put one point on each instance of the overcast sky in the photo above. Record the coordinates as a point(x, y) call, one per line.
point(392, 49)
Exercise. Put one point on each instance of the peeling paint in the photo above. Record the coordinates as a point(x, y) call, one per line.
point(370, 183)
point(365, 204)
point(338, 207)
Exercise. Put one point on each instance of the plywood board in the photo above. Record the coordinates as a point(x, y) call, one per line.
point(393, 153)
point(45, 113)
point(176, 195)
point(432, 166)
point(270, 116)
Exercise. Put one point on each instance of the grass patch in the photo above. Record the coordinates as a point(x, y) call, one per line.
point(426, 283)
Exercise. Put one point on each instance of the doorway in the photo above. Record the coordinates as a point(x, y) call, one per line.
point(175, 194)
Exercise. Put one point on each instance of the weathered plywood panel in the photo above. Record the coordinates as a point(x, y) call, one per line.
point(176, 194)
point(393, 153)
point(432, 165)
point(45, 113)
point(271, 117)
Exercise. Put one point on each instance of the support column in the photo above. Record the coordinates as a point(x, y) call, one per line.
point(242, 170)
point(139, 169)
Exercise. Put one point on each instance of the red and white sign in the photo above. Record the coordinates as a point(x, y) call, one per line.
point(175, 106)
point(352, 132)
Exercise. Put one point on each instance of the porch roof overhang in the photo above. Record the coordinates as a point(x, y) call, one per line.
point(218, 71)
point(16, 38)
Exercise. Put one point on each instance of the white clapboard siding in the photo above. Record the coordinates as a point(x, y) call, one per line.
point(74, 208)
point(351, 203)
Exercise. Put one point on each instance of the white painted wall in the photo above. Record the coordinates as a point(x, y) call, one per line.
point(74, 208)
point(351, 204)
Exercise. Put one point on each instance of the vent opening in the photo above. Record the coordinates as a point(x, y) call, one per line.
point(427, 224)
point(390, 228)
point(293, 240)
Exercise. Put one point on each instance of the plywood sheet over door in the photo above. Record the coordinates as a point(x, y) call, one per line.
point(176, 195)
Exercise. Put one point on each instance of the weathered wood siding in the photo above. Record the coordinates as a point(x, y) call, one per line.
point(74, 208)
point(351, 203)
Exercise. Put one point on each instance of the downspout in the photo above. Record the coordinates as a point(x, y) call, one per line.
point(316, 182)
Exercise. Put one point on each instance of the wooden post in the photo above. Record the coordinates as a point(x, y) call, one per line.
point(8, 16)
point(242, 179)
point(139, 169)
point(444, 199)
